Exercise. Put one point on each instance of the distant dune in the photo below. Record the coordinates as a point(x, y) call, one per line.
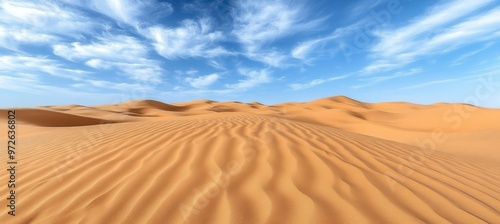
point(332, 160)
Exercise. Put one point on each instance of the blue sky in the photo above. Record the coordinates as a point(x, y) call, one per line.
point(108, 51)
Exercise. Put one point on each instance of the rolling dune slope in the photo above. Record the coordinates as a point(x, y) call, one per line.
point(334, 160)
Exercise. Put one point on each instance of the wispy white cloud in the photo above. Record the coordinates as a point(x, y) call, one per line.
point(143, 70)
point(488, 73)
point(119, 86)
point(399, 47)
point(32, 84)
point(475, 29)
point(309, 49)
point(253, 79)
point(203, 81)
point(46, 17)
point(41, 22)
point(271, 57)
point(114, 48)
point(191, 39)
point(258, 22)
point(261, 22)
point(133, 13)
point(362, 7)
point(49, 93)
point(22, 82)
point(308, 85)
point(19, 64)
point(435, 82)
point(216, 64)
point(393, 42)
point(12, 38)
point(315, 82)
point(192, 72)
point(32, 80)
point(303, 49)
point(375, 80)
point(121, 53)
point(412, 71)
point(460, 60)
point(78, 85)
point(382, 66)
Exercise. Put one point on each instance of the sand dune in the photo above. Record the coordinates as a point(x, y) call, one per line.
point(333, 160)
point(52, 118)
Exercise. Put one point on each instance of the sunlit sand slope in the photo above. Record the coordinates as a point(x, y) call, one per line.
point(211, 162)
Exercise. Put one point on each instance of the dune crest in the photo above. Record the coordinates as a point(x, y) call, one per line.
point(332, 160)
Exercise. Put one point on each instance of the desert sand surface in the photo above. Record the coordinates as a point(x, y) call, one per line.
point(332, 160)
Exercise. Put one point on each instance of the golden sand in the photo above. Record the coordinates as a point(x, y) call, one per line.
point(333, 160)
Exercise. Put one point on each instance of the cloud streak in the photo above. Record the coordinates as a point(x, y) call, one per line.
point(12, 38)
point(121, 53)
point(201, 82)
point(315, 82)
point(118, 86)
point(114, 48)
point(460, 60)
point(253, 79)
point(376, 80)
point(46, 17)
point(20, 64)
point(193, 38)
point(258, 23)
point(127, 12)
point(489, 72)
point(399, 47)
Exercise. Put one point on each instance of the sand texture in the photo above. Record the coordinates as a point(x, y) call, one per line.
point(332, 160)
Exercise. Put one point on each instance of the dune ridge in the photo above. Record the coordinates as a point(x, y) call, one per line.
point(333, 160)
